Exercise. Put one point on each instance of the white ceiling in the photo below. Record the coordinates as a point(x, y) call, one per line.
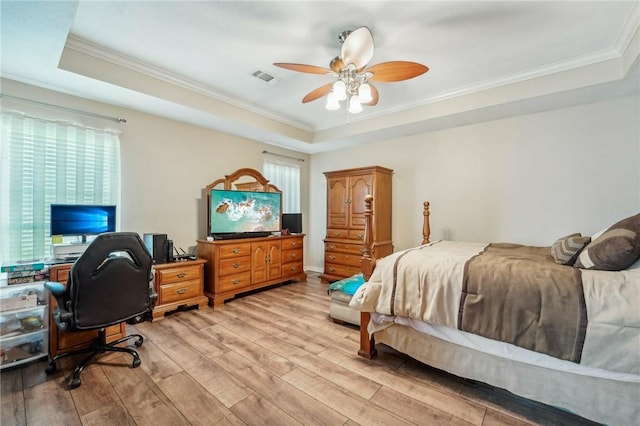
point(193, 60)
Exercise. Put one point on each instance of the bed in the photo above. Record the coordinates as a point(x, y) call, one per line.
point(545, 323)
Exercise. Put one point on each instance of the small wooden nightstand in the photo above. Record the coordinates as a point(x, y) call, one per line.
point(179, 285)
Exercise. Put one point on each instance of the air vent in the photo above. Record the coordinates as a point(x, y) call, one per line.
point(263, 76)
point(267, 78)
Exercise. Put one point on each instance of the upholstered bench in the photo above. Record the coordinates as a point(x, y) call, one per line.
point(341, 293)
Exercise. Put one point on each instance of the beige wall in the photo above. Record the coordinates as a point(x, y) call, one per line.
point(166, 164)
point(528, 179)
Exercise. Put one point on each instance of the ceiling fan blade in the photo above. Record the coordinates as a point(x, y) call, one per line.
point(317, 93)
point(374, 96)
point(310, 69)
point(388, 72)
point(357, 48)
point(336, 64)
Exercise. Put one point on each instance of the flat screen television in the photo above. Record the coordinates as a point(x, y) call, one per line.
point(82, 219)
point(244, 212)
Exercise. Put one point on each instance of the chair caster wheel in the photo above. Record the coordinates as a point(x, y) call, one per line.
point(51, 368)
point(136, 363)
point(138, 343)
point(75, 383)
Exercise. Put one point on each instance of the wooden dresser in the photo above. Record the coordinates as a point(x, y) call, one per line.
point(237, 266)
point(61, 342)
point(343, 245)
point(178, 284)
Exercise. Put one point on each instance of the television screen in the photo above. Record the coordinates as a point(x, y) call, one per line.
point(292, 222)
point(244, 211)
point(76, 219)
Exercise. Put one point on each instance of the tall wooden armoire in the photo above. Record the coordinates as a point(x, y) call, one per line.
point(343, 245)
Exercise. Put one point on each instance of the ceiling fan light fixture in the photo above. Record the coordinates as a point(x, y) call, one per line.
point(364, 93)
point(340, 90)
point(354, 104)
point(332, 102)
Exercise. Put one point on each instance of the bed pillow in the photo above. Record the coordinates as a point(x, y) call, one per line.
point(616, 249)
point(566, 249)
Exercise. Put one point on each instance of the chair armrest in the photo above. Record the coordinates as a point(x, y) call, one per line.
point(61, 315)
point(56, 289)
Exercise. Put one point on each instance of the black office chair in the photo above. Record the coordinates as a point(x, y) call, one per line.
point(110, 283)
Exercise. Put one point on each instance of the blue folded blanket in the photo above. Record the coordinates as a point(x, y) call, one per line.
point(347, 285)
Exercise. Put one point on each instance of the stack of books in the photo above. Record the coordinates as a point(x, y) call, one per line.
point(25, 272)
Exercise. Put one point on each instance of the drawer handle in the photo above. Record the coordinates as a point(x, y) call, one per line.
point(362, 250)
point(336, 234)
point(181, 275)
point(236, 250)
point(181, 291)
point(332, 247)
point(359, 235)
point(293, 244)
point(293, 268)
point(236, 265)
point(236, 282)
point(332, 269)
point(332, 257)
point(293, 255)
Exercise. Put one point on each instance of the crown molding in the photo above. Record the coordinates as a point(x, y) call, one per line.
point(88, 48)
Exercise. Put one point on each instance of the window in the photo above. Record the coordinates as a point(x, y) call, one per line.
point(286, 176)
point(44, 162)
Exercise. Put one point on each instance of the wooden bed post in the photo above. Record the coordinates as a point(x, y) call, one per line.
point(368, 263)
point(426, 229)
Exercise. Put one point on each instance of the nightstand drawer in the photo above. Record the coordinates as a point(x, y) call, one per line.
point(235, 282)
point(234, 265)
point(235, 250)
point(180, 290)
point(173, 275)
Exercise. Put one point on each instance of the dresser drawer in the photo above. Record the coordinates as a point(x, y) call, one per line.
point(234, 250)
point(293, 268)
point(356, 234)
point(356, 249)
point(290, 243)
point(234, 265)
point(337, 233)
point(341, 270)
point(173, 275)
point(343, 259)
point(234, 282)
point(180, 290)
point(293, 255)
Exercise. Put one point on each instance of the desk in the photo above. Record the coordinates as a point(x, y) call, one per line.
point(61, 342)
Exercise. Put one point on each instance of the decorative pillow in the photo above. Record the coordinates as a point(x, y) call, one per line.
point(616, 249)
point(347, 285)
point(566, 249)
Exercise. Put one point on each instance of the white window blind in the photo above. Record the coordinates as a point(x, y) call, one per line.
point(44, 162)
point(286, 176)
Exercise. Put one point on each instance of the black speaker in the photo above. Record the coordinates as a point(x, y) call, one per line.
point(292, 222)
point(170, 257)
point(157, 246)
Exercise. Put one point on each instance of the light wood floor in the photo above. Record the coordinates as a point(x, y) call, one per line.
point(270, 358)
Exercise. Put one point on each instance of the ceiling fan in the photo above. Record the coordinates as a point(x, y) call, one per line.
point(353, 78)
